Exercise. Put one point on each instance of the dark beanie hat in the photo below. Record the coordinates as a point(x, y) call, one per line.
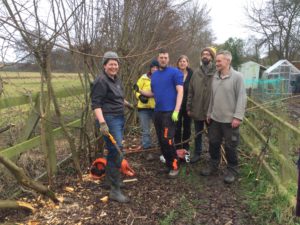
point(153, 63)
point(211, 50)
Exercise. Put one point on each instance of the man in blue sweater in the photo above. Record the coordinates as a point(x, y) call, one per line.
point(167, 89)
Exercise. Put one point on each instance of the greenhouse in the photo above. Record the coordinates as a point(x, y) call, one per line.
point(281, 78)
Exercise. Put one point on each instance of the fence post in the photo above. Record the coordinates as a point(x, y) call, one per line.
point(47, 139)
point(32, 121)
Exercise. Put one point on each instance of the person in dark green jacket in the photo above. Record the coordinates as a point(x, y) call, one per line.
point(199, 96)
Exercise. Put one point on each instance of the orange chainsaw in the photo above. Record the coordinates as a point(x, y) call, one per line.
point(98, 167)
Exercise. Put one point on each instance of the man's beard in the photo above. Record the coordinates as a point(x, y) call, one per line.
point(205, 61)
point(162, 66)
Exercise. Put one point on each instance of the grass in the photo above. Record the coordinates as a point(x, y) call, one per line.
point(186, 207)
point(184, 210)
point(265, 203)
point(25, 83)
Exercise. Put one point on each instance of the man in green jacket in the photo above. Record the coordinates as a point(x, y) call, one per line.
point(199, 95)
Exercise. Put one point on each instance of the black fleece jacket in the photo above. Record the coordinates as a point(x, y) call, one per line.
point(107, 94)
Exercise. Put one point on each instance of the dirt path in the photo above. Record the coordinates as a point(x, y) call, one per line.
point(155, 199)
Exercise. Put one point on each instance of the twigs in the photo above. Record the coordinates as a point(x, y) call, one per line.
point(3, 129)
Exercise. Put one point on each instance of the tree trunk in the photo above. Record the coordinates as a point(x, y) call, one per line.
point(68, 135)
point(23, 179)
point(47, 140)
point(1, 86)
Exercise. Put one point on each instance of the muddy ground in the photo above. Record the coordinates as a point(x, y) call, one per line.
point(155, 199)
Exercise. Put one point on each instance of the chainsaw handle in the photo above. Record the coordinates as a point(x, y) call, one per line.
point(114, 142)
point(111, 138)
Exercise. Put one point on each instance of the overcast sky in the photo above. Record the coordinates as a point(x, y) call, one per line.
point(228, 18)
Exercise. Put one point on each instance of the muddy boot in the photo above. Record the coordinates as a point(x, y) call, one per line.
point(116, 195)
point(210, 169)
point(164, 170)
point(122, 184)
point(105, 183)
point(230, 175)
point(195, 158)
point(115, 192)
point(150, 157)
point(173, 174)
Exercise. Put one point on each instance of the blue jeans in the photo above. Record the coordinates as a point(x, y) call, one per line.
point(146, 118)
point(116, 129)
point(199, 125)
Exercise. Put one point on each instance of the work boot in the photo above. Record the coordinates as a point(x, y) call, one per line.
point(150, 157)
point(164, 170)
point(195, 158)
point(114, 176)
point(173, 173)
point(105, 184)
point(116, 195)
point(209, 169)
point(230, 175)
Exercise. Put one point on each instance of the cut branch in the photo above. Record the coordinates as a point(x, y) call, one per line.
point(23, 179)
point(10, 204)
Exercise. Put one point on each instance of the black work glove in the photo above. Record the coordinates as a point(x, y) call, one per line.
point(143, 99)
point(136, 88)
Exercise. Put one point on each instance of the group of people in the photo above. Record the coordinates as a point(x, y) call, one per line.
point(171, 98)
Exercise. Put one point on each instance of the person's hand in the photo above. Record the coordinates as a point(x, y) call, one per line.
point(208, 120)
point(235, 123)
point(136, 88)
point(189, 113)
point(104, 130)
point(175, 116)
point(143, 99)
point(130, 106)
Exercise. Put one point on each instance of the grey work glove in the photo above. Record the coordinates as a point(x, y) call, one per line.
point(104, 130)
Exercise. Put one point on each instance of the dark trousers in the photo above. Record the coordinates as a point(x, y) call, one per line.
point(216, 132)
point(199, 125)
point(183, 130)
point(165, 131)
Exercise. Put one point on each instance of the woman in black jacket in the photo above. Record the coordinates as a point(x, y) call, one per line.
point(108, 104)
point(183, 127)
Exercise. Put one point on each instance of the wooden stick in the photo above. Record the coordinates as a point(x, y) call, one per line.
point(130, 180)
point(10, 204)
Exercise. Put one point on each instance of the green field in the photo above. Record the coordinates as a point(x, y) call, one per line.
point(23, 83)
point(29, 83)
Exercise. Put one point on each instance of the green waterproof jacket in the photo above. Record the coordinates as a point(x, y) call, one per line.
point(199, 92)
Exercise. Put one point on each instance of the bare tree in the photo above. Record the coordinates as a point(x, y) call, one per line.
point(278, 24)
point(27, 22)
point(135, 29)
